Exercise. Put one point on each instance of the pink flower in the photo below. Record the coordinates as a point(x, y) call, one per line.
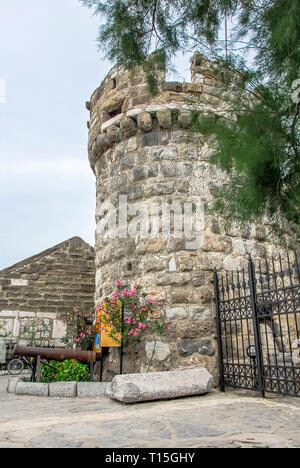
point(169, 328)
point(132, 293)
point(118, 284)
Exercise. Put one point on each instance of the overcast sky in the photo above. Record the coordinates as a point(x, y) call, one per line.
point(49, 67)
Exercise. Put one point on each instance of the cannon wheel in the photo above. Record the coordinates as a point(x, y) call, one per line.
point(15, 366)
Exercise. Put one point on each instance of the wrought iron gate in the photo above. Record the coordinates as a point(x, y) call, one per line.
point(258, 323)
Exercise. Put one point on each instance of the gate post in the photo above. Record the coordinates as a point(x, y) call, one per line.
point(256, 327)
point(219, 330)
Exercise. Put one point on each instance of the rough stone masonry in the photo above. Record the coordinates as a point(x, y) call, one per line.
point(37, 293)
point(142, 147)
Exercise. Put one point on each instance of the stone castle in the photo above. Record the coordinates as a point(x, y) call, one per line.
point(154, 180)
point(142, 149)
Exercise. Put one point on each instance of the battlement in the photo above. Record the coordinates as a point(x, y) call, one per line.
point(123, 105)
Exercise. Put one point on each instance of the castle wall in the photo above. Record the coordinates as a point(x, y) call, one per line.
point(37, 293)
point(142, 147)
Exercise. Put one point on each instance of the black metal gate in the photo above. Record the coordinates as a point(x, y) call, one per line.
point(258, 323)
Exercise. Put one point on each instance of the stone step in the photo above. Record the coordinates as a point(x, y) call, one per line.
point(133, 388)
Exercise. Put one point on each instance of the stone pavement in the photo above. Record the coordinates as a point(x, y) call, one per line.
point(215, 420)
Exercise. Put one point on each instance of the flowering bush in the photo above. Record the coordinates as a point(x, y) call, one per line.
point(79, 333)
point(66, 371)
point(138, 315)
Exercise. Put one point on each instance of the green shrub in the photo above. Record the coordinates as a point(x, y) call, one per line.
point(66, 371)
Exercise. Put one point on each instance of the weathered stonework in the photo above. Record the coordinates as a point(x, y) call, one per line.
point(143, 147)
point(41, 290)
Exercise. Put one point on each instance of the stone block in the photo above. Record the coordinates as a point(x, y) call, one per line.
point(8, 313)
point(200, 313)
point(144, 172)
point(172, 86)
point(12, 384)
point(134, 192)
point(160, 385)
point(59, 329)
point(144, 121)
point(168, 168)
point(114, 103)
point(128, 125)
point(157, 350)
point(174, 279)
point(91, 389)
point(169, 153)
point(127, 162)
point(63, 389)
point(158, 189)
point(150, 139)
point(164, 118)
point(185, 118)
point(32, 388)
point(192, 88)
point(175, 313)
point(114, 133)
point(189, 347)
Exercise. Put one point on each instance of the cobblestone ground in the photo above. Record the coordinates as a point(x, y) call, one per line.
point(215, 420)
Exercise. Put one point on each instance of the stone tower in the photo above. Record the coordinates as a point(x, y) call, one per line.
point(142, 149)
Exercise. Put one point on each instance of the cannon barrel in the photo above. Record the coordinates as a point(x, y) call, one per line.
point(56, 354)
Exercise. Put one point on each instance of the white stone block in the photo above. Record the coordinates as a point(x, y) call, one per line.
point(159, 350)
point(19, 282)
point(26, 314)
point(175, 313)
point(16, 328)
point(132, 388)
point(172, 264)
point(8, 313)
point(59, 329)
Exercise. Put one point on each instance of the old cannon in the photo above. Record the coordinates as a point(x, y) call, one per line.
point(55, 354)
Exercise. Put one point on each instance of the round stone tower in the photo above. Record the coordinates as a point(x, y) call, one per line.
point(154, 180)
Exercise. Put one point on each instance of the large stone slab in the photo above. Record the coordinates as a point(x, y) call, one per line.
point(133, 388)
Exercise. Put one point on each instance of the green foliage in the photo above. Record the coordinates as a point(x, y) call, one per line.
point(138, 315)
point(36, 332)
point(259, 150)
point(66, 371)
point(258, 143)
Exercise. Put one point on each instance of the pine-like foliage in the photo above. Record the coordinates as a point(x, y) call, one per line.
point(258, 141)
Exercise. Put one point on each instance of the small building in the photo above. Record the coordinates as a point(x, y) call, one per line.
point(37, 293)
